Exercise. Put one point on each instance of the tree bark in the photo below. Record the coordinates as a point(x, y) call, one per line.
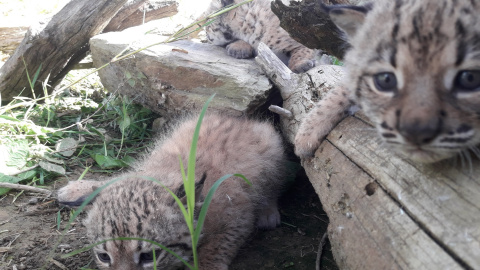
point(308, 24)
point(55, 46)
point(132, 13)
point(59, 44)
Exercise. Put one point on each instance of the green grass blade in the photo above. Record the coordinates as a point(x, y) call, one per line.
point(154, 259)
point(59, 218)
point(182, 170)
point(84, 173)
point(35, 77)
point(208, 199)
point(190, 185)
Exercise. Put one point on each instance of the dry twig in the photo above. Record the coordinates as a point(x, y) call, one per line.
point(24, 187)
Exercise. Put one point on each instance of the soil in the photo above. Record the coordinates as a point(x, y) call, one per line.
point(29, 234)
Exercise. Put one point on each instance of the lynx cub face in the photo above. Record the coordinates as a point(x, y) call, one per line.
point(137, 207)
point(414, 68)
point(243, 28)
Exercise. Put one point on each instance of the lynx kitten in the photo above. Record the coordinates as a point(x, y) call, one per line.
point(135, 207)
point(414, 68)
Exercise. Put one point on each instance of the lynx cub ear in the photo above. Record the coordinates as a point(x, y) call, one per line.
point(348, 18)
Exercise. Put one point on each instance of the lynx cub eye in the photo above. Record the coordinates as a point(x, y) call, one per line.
point(468, 80)
point(104, 257)
point(385, 82)
point(147, 257)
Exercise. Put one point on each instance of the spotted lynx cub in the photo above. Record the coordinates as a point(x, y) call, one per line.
point(414, 68)
point(135, 207)
point(243, 28)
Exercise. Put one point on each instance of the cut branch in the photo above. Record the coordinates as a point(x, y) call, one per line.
point(26, 188)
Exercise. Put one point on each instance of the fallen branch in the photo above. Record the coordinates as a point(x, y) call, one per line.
point(24, 170)
point(25, 187)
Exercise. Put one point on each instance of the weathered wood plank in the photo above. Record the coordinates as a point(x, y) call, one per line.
point(368, 229)
point(385, 212)
point(443, 198)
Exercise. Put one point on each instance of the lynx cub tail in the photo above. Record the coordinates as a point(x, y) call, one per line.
point(136, 207)
point(414, 69)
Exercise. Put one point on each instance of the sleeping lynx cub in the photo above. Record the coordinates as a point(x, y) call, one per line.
point(135, 207)
point(243, 28)
point(414, 68)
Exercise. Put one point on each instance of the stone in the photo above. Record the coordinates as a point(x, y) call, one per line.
point(179, 76)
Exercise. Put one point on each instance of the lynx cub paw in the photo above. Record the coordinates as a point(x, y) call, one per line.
point(268, 217)
point(301, 66)
point(240, 49)
point(307, 143)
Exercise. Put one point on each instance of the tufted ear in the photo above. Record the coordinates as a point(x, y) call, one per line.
point(348, 18)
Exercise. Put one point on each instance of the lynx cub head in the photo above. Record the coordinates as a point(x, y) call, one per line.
point(414, 68)
point(136, 215)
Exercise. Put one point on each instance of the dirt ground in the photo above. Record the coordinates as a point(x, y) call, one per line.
point(29, 233)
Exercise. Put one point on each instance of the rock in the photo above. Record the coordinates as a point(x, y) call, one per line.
point(178, 76)
point(33, 201)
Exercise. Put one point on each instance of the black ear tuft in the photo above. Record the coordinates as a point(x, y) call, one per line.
point(200, 183)
point(339, 8)
point(77, 202)
point(348, 18)
point(180, 192)
point(226, 2)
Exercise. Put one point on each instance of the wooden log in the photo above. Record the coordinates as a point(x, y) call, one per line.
point(299, 91)
point(387, 212)
point(306, 22)
point(55, 46)
point(136, 12)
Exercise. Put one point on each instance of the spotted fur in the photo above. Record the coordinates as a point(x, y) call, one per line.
point(243, 28)
point(136, 207)
point(414, 68)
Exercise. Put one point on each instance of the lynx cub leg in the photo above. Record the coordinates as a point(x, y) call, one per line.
point(301, 59)
point(320, 121)
point(217, 255)
point(268, 216)
point(240, 49)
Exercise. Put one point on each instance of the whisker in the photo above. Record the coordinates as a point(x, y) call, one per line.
point(468, 157)
point(476, 151)
point(455, 161)
point(462, 159)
